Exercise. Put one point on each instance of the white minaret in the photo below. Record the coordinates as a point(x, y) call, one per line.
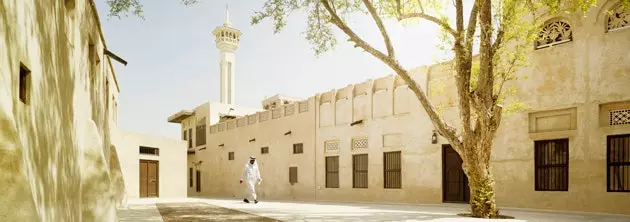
point(227, 39)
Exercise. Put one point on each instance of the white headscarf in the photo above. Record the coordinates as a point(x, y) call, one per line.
point(254, 168)
point(255, 162)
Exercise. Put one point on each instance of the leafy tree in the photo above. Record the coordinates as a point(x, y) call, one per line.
point(500, 30)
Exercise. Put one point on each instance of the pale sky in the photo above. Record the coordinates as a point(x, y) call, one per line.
point(174, 64)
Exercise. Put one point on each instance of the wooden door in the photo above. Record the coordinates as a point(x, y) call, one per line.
point(149, 178)
point(454, 181)
point(144, 178)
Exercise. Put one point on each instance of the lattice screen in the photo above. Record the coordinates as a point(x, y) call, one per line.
point(241, 122)
point(359, 143)
point(331, 146)
point(619, 117)
point(264, 116)
point(289, 109)
point(251, 119)
point(221, 127)
point(231, 125)
point(213, 129)
point(276, 113)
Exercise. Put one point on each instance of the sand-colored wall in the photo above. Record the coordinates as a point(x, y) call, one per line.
point(566, 83)
point(54, 148)
point(572, 84)
point(171, 159)
point(392, 121)
point(220, 175)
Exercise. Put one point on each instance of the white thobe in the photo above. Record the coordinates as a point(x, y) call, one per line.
point(250, 175)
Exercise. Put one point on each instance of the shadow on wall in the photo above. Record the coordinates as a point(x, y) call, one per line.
point(117, 180)
point(52, 165)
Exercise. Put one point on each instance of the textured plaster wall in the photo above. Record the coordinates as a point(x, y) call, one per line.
point(591, 70)
point(220, 176)
point(387, 108)
point(54, 154)
point(579, 76)
point(172, 164)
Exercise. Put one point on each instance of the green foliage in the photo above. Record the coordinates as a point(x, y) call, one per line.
point(118, 8)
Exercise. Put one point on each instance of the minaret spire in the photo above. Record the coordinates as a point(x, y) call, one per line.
point(227, 17)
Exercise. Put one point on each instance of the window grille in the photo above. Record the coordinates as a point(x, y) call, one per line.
point(149, 150)
point(392, 170)
point(332, 172)
point(360, 171)
point(618, 162)
point(552, 165)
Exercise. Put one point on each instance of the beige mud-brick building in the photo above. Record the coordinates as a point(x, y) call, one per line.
point(63, 157)
point(569, 149)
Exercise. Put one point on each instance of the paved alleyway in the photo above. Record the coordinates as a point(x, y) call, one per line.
point(323, 211)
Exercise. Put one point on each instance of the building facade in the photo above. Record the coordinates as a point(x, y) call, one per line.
point(64, 157)
point(567, 149)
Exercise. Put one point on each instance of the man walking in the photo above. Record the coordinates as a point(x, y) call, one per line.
point(250, 175)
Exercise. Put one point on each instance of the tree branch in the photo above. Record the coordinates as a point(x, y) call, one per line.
point(381, 27)
point(442, 127)
point(472, 27)
point(435, 20)
point(462, 64)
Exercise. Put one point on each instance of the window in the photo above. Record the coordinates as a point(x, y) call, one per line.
point(149, 150)
point(298, 148)
point(293, 175)
point(190, 138)
point(360, 171)
point(553, 33)
point(392, 170)
point(618, 162)
point(231, 156)
point(618, 18)
point(201, 132)
point(264, 150)
point(552, 165)
point(332, 172)
point(25, 84)
point(190, 177)
point(184, 135)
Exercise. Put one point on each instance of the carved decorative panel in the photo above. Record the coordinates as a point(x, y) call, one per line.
point(213, 129)
point(618, 18)
point(289, 109)
point(359, 143)
point(331, 146)
point(620, 117)
point(276, 113)
point(304, 106)
point(241, 122)
point(221, 127)
point(553, 33)
point(251, 119)
point(231, 125)
point(264, 116)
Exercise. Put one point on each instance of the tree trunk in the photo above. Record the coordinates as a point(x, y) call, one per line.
point(481, 182)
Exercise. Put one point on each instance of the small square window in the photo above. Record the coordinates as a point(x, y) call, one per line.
point(264, 150)
point(25, 84)
point(298, 148)
point(231, 156)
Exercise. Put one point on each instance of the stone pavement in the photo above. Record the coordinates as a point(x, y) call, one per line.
point(334, 211)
